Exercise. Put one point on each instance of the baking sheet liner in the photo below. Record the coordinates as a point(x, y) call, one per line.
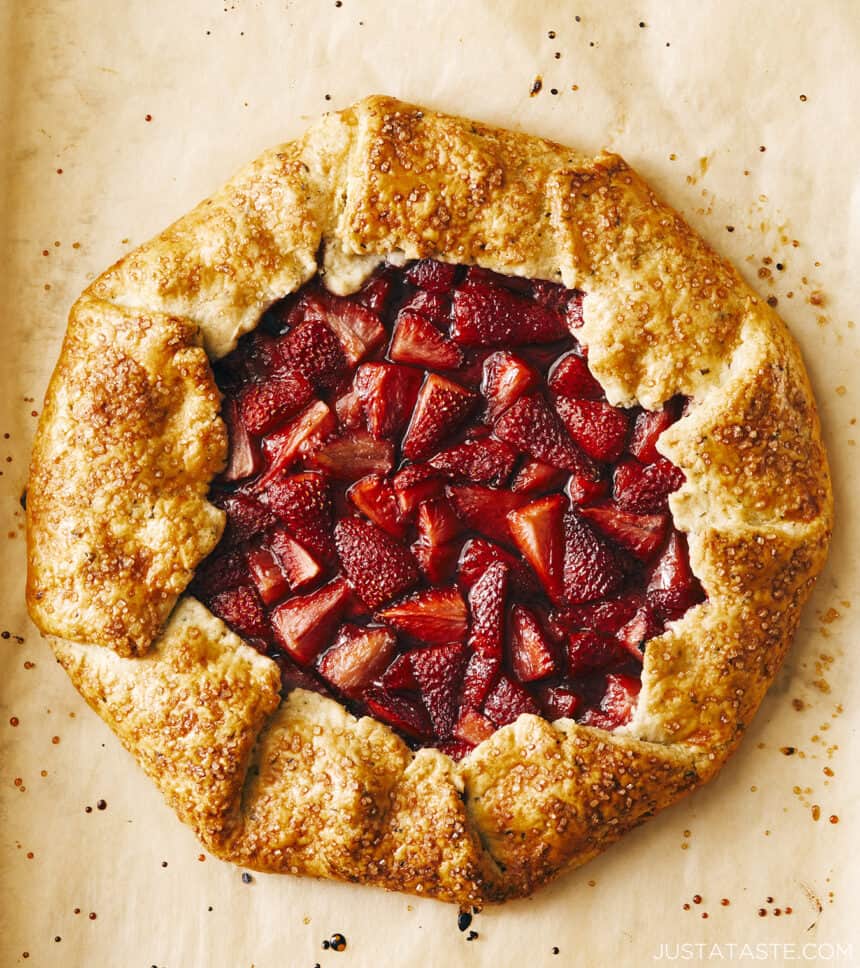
point(116, 119)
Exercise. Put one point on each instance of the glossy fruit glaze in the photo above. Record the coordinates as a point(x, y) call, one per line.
point(434, 515)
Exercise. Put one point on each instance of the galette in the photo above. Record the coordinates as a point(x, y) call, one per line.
point(426, 508)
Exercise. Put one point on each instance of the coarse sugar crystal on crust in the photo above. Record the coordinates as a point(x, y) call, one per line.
point(130, 440)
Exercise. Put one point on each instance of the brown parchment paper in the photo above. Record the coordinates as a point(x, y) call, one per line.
point(116, 119)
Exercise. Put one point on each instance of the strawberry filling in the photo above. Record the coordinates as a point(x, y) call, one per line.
point(433, 513)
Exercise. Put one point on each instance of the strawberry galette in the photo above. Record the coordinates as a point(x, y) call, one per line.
point(426, 508)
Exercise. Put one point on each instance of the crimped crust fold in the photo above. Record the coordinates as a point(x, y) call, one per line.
point(546, 796)
point(332, 796)
point(128, 441)
point(189, 710)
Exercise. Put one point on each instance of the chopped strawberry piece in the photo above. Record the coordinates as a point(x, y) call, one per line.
point(606, 616)
point(298, 438)
point(241, 609)
point(354, 455)
point(441, 408)
point(378, 567)
point(415, 484)
point(508, 701)
point(219, 572)
point(404, 713)
point(538, 530)
point(645, 488)
point(482, 673)
point(505, 379)
point(356, 327)
point(438, 671)
point(374, 496)
point(484, 461)
point(672, 587)
point(303, 503)
point(487, 605)
point(473, 727)
point(553, 295)
point(437, 522)
point(557, 702)
point(357, 657)
point(617, 704)
point(648, 426)
point(640, 534)
point(267, 575)
point(299, 566)
point(493, 316)
point(478, 555)
point(433, 306)
point(244, 459)
point(436, 615)
point(349, 409)
point(388, 393)
point(435, 550)
point(438, 563)
point(416, 340)
point(264, 405)
point(485, 509)
point(374, 294)
point(643, 626)
point(531, 426)
point(583, 489)
point(399, 676)
point(592, 568)
point(532, 653)
point(432, 275)
point(455, 748)
point(314, 351)
point(245, 516)
point(570, 377)
point(306, 623)
point(599, 429)
point(534, 477)
point(481, 280)
point(587, 651)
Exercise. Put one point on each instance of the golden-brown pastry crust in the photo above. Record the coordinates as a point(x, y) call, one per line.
point(190, 710)
point(547, 795)
point(130, 439)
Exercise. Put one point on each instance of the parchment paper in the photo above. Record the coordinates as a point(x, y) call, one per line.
point(116, 119)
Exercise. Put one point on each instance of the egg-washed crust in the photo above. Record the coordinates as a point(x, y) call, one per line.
point(130, 439)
